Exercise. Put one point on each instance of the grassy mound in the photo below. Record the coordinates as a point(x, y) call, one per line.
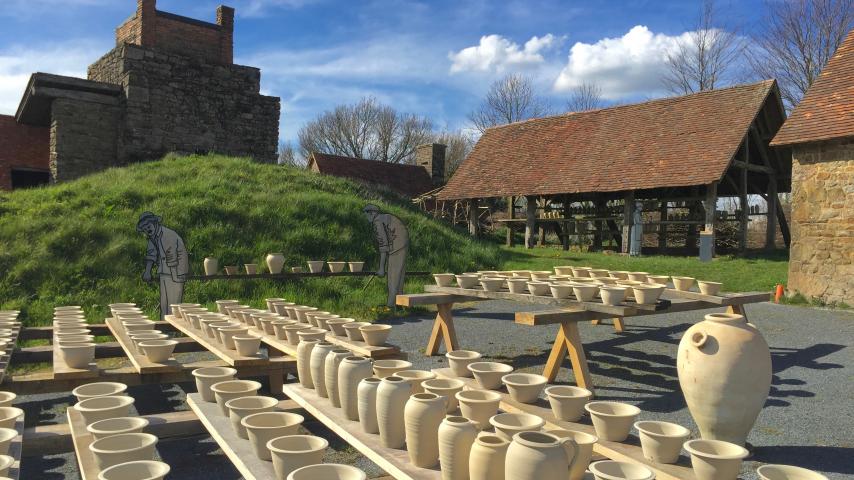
point(76, 243)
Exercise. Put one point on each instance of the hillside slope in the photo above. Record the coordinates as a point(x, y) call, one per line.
point(76, 243)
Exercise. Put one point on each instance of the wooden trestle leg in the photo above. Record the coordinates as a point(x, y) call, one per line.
point(443, 330)
point(569, 341)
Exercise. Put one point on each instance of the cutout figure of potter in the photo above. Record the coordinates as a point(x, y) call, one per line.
point(166, 250)
point(393, 244)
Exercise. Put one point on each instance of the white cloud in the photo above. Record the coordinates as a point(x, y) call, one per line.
point(496, 53)
point(631, 65)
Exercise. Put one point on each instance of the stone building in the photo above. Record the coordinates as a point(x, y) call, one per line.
point(169, 85)
point(820, 133)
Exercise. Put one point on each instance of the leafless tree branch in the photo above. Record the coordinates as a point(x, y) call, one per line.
point(587, 96)
point(509, 100)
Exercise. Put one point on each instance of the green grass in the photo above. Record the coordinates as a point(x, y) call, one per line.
point(76, 243)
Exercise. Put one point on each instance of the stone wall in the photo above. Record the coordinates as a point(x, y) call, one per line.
point(21, 146)
point(82, 137)
point(821, 259)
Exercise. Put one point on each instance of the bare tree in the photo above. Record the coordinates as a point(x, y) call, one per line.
point(288, 156)
point(366, 129)
point(795, 40)
point(459, 145)
point(587, 96)
point(509, 100)
point(704, 58)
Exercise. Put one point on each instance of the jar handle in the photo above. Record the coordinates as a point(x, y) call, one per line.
point(698, 338)
point(571, 449)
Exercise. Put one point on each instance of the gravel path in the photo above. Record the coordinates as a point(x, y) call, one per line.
point(808, 419)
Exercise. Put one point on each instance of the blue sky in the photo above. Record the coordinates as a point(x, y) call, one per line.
point(434, 58)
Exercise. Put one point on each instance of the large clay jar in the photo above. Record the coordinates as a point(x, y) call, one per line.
point(486, 460)
point(330, 374)
point(456, 436)
point(211, 266)
point(540, 456)
point(275, 262)
point(351, 371)
point(367, 404)
point(392, 395)
point(422, 416)
point(304, 362)
point(724, 370)
point(317, 366)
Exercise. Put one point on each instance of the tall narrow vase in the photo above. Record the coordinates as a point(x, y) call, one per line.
point(330, 374)
point(351, 371)
point(317, 365)
point(391, 401)
point(304, 362)
point(456, 436)
point(422, 416)
point(367, 393)
point(486, 460)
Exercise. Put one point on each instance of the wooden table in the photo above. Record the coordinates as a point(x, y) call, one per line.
point(82, 439)
point(140, 362)
point(394, 461)
point(15, 449)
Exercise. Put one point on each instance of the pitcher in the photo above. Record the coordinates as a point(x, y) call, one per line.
point(539, 456)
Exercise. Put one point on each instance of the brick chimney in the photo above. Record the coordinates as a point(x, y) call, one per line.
point(146, 15)
point(431, 156)
point(225, 19)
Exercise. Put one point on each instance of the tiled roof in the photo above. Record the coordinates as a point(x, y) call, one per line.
point(827, 110)
point(671, 142)
point(408, 180)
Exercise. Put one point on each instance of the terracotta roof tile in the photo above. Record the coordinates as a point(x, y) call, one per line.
point(408, 180)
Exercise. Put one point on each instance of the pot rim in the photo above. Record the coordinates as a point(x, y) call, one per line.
point(474, 367)
point(230, 405)
point(590, 405)
point(165, 468)
point(324, 443)
point(135, 422)
point(594, 468)
point(296, 418)
point(725, 318)
point(121, 401)
point(791, 468)
point(248, 383)
point(374, 327)
point(689, 446)
point(540, 380)
point(550, 391)
point(420, 375)
point(199, 373)
point(683, 432)
point(521, 438)
point(491, 441)
point(463, 355)
point(121, 388)
point(498, 424)
point(455, 381)
point(586, 438)
point(149, 441)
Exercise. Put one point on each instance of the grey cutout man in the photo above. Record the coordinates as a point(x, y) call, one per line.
point(393, 243)
point(166, 250)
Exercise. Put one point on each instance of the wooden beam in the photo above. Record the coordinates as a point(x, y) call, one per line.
point(771, 219)
point(711, 204)
point(44, 353)
point(566, 214)
point(742, 200)
point(473, 220)
point(662, 228)
point(413, 299)
point(628, 208)
point(530, 221)
point(96, 329)
point(511, 214)
point(751, 166)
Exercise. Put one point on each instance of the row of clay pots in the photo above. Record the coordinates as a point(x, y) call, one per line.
point(275, 264)
point(8, 325)
point(9, 415)
point(220, 328)
point(154, 344)
point(71, 336)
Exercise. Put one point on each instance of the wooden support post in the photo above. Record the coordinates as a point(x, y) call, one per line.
point(771, 218)
point(598, 212)
point(569, 340)
point(628, 208)
point(443, 330)
point(530, 221)
point(511, 214)
point(745, 210)
point(473, 220)
point(711, 207)
point(662, 227)
point(566, 215)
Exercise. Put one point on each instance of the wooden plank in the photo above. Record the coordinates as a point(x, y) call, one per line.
point(413, 299)
point(725, 299)
point(96, 329)
point(550, 317)
point(293, 276)
point(82, 439)
point(359, 348)
point(237, 449)
point(394, 461)
point(16, 448)
point(44, 353)
point(628, 451)
point(139, 361)
point(230, 357)
point(61, 371)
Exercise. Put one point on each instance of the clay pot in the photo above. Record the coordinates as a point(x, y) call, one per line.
point(612, 295)
point(309, 316)
point(524, 387)
point(585, 293)
point(456, 437)
point(211, 266)
point(487, 457)
point(367, 404)
point(467, 281)
point(724, 368)
point(709, 288)
point(375, 335)
point(658, 279)
point(229, 389)
point(459, 360)
point(221, 304)
point(205, 377)
point(638, 276)
point(444, 279)
point(327, 471)
point(78, 355)
point(422, 415)
point(291, 332)
point(491, 284)
point(508, 424)
point(247, 345)
point(312, 333)
point(661, 441)
point(613, 470)
point(488, 374)
point(563, 270)
point(518, 285)
point(445, 387)
point(304, 362)
point(323, 321)
point(145, 337)
point(301, 310)
point(251, 268)
point(99, 389)
point(715, 459)
point(138, 325)
point(280, 306)
point(279, 328)
point(292, 452)
point(6, 399)
point(478, 406)
point(317, 366)
point(265, 426)
point(351, 371)
point(6, 462)
point(354, 332)
point(136, 470)
point(157, 351)
point(226, 335)
point(392, 395)
point(561, 289)
point(584, 442)
point(612, 420)
point(127, 447)
point(356, 266)
point(230, 269)
point(538, 455)
point(9, 415)
point(336, 267)
point(336, 325)
point(330, 374)
point(647, 294)
point(315, 266)
point(238, 408)
point(275, 262)
point(102, 408)
point(415, 378)
point(683, 283)
point(787, 472)
point(568, 402)
point(116, 426)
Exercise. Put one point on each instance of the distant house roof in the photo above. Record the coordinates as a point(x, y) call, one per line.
point(679, 141)
point(408, 180)
point(827, 110)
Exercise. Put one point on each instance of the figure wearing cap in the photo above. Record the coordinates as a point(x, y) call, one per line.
point(393, 243)
point(166, 250)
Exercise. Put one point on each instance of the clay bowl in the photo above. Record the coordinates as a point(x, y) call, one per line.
point(647, 294)
point(612, 294)
point(613, 470)
point(116, 426)
point(715, 459)
point(658, 279)
point(6, 437)
point(265, 426)
point(508, 424)
point(327, 471)
point(375, 335)
point(6, 399)
point(310, 317)
point(619, 274)
point(279, 328)
point(206, 377)
point(415, 377)
point(226, 335)
point(245, 406)
point(138, 325)
point(524, 387)
point(683, 283)
point(385, 368)
point(354, 332)
point(539, 288)
point(585, 292)
point(561, 289)
point(146, 337)
point(661, 442)
point(612, 420)
point(292, 332)
point(568, 402)
point(445, 387)
point(492, 284)
point(72, 332)
point(356, 267)
point(136, 470)
point(229, 389)
point(127, 447)
point(221, 304)
point(488, 374)
point(580, 271)
point(246, 345)
point(518, 285)
point(336, 267)
point(336, 325)
point(292, 452)
point(459, 360)
point(157, 351)
point(444, 279)
point(787, 472)
point(312, 333)
point(315, 266)
point(6, 462)
point(478, 405)
point(99, 389)
point(467, 281)
point(102, 408)
point(709, 288)
point(9, 415)
point(323, 321)
point(300, 312)
point(78, 355)
point(638, 276)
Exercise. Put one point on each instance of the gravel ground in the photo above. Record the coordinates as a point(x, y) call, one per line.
point(807, 420)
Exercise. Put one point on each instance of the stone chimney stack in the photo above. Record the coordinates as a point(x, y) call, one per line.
point(431, 156)
point(225, 19)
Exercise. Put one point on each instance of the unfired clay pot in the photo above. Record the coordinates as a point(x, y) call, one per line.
point(9, 415)
point(317, 366)
point(336, 267)
point(354, 332)
point(98, 389)
point(238, 408)
point(116, 426)
point(211, 266)
point(518, 285)
point(315, 266)
point(787, 472)
point(6, 437)
point(205, 377)
point(416, 378)
point(265, 426)
point(445, 387)
point(478, 406)
point(128, 447)
point(336, 325)
point(99, 408)
point(304, 362)
point(367, 404)
point(724, 368)
point(509, 424)
point(585, 442)
point(136, 470)
point(613, 470)
point(487, 457)
point(683, 283)
point(422, 415)
point(647, 294)
point(658, 279)
point(157, 351)
point(467, 281)
point(585, 293)
point(78, 355)
point(292, 332)
point(330, 374)
point(251, 268)
point(524, 387)
point(229, 389)
point(661, 441)
point(247, 345)
point(709, 288)
point(715, 459)
point(568, 402)
point(292, 452)
point(392, 395)
point(275, 262)
point(612, 294)
point(328, 471)
point(612, 420)
point(375, 335)
point(312, 333)
point(356, 266)
point(351, 371)
point(385, 368)
point(488, 374)
point(456, 436)
point(540, 456)
point(444, 279)
point(459, 360)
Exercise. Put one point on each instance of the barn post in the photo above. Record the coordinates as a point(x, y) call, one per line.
point(662, 227)
point(530, 220)
point(742, 200)
point(710, 206)
point(511, 214)
point(628, 210)
point(566, 214)
point(473, 220)
point(771, 223)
